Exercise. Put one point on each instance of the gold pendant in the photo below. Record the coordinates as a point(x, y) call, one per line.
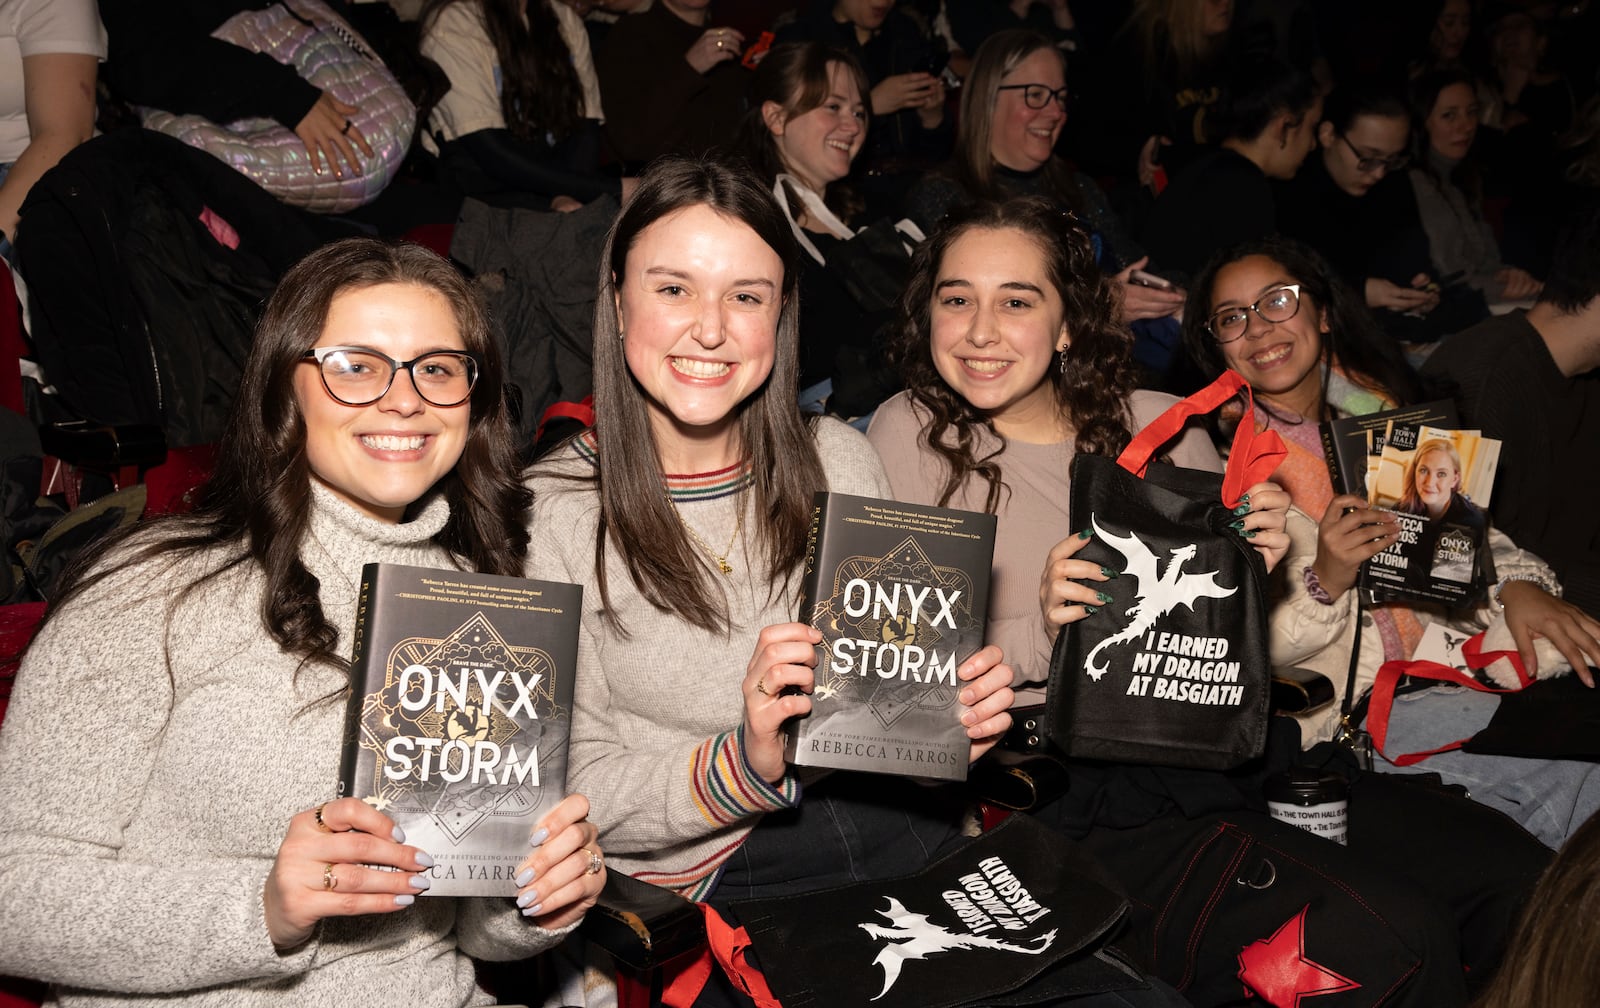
point(727, 568)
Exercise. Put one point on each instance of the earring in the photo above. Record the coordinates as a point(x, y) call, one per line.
point(1063, 360)
point(621, 333)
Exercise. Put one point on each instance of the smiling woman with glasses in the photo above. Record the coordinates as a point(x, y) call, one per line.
point(357, 376)
point(1013, 109)
point(1280, 304)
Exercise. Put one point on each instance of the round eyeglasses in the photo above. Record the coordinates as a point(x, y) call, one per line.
point(1366, 164)
point(1037, 96)
point(1277, 305)
point(357, 376)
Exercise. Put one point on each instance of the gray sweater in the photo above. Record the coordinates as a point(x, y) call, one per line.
point(656, 713)
point(150, 762)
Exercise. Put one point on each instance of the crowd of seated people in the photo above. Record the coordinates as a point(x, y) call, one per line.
point(989, 236)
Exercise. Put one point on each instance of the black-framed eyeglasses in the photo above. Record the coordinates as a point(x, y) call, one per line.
point(359, 376)
point(1277, 305)
point(1037, 96)
point(1392, 163)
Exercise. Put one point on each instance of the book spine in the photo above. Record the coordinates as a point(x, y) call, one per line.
point(810, 581)
point(360, 659)
point(1330, 449)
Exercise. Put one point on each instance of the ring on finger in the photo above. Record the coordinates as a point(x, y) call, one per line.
point(346, 127)
point(761, 686)
point(596, 862)
point(317, 814)
point(330, 881)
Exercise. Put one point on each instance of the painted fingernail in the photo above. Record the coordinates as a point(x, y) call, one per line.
point(533, 910)
point(1103, 597)
point(524, 877)
point(1107, 572)
point(524, 899)
point(399, 835)
point(424, 859)
point(1244, 501)
point(1243, 508)
point(539, 836)
point(420, 882)
point(1237, 524)
point(1250, 534)
point(1089, 610)
point(1087, 533)
point(404, 899)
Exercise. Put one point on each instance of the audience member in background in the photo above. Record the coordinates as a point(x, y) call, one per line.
point(1531, 100)
point(903, 62)
point(207, 655)
point(53, 48)
point(1447, 184)
point(1013, 107)
point(807, 122)
point(1555, 965)
point(671, 81)
point(1264, 126)
point(1275, 312)
point(1014, 364)
point(520, 125)
point(1532, 379)
point(1447, 29)
point(1149, 94)
point(973, 21)
point(163, 56)
point(1338, 202)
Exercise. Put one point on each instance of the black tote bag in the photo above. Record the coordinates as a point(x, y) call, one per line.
point(1174, 670)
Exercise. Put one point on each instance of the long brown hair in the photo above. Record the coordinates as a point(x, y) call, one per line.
point(1550, 960)
point(1092, 390)
point(637, 517)
point(539, 87)
point(795, 76)
point(258, 500)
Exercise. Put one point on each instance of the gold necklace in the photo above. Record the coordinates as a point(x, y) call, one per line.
point(738, 526)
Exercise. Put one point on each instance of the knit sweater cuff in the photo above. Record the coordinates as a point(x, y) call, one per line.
point(727, 790)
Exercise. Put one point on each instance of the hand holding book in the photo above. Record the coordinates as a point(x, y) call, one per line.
point(985, 699)
point(1350, 533)
point(777, 686)
point(322, 870)
point(563, 875)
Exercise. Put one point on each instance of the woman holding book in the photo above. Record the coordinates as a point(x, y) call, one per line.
point(1013, 364)
point(684, 514)
point(166, 765)
point(1277, 313)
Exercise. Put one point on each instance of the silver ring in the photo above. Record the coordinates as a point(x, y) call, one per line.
point(595, 862)
point(719, 43)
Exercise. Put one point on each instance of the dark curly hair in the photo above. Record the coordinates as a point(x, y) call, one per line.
point(1092, 390)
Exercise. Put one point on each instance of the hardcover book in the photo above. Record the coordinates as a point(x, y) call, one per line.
point(1436, 478)
point(900, 593)
point(460, 711)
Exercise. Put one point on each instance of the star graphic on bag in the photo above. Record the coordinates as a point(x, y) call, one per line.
point(1277, 969)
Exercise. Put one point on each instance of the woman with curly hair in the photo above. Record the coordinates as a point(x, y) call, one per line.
point(1013, 365)
point(1014, 362)
point(520, 122)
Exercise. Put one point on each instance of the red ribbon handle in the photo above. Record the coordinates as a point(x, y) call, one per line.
point(1254, 457)
point(1389, 674)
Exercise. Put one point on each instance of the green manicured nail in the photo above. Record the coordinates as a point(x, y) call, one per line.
point(1104, 598)
point(1089, 610)
point(1107, 572)
point(1087, 533)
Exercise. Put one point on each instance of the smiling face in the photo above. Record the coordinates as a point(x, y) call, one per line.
point(1022, 138)
point(1437, 477)
point(1369, 136)
point(698, 304)
point(1280, 360)
point(997, 326)
point(383, 456)
point(817, 146)
point(1453, 123)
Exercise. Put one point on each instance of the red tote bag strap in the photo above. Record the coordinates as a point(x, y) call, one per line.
point(726, 945)
point(1390, 673)
point(1255, 455)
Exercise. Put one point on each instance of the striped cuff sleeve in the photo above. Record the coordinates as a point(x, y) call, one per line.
point(727, 790)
